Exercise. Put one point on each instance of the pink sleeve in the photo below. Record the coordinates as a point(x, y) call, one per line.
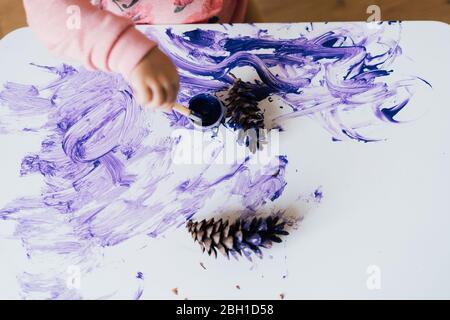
point(101, 40)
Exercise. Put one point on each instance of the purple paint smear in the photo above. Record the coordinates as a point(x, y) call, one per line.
point(109, 177)
point(325, 76)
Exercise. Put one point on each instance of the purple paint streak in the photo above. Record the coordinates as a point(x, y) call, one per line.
point(318, 194)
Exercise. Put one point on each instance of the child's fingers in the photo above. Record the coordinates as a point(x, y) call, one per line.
point(143, 93)
point(176, 87)
point(172, 88)
point(159, 95)
point(171, 93)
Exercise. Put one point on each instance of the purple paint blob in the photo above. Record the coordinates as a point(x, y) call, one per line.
point(318, 194)
point(140, 290)
point(208, 108)
point(93, 198)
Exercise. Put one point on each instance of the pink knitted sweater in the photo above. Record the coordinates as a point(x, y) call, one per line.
point(101, 33)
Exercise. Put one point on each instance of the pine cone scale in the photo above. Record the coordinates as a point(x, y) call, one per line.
point(243, 113)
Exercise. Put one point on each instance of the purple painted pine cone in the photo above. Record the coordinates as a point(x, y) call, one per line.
point(242, 237)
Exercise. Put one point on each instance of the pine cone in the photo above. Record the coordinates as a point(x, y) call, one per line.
point(241, 237)
point(243, 113)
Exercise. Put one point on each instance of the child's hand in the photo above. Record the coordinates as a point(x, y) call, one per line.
point(155, 81)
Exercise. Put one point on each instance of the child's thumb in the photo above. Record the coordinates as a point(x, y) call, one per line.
point(143, 94)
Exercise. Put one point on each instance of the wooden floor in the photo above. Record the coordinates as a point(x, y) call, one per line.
point(12, 15)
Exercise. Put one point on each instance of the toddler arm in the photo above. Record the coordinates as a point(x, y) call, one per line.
point(76, 29)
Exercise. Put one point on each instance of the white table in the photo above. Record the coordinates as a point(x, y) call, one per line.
point(380, 231)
